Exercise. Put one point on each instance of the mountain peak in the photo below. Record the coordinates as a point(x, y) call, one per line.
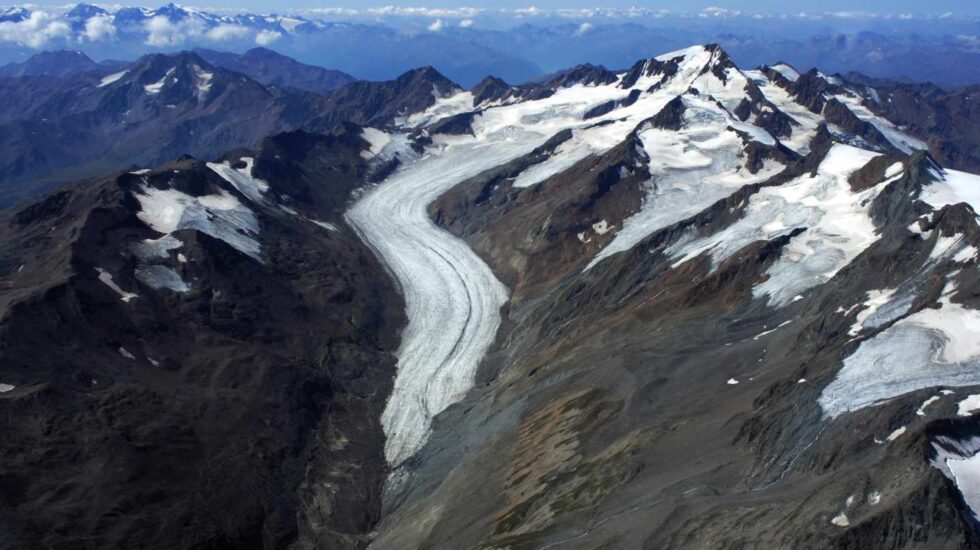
point(441, 85)
point(53, 63)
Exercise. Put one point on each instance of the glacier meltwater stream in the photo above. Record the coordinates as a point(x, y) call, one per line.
point(452, 298)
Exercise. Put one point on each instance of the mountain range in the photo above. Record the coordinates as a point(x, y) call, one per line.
point(683, 304)
point(515, 45)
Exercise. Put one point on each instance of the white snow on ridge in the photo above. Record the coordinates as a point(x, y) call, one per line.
point(377, 139)
point(808, 122)
point(836, 219)
point(4, 388)
point(115, 77)
point(960, 462)
point(454, 104)
point(953, 187)
point(790, 73)
point(156, 87)
point(930, 348)
point(691, 169)
point(902, 141)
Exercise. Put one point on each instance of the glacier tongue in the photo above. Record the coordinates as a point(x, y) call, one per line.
point(452, 297)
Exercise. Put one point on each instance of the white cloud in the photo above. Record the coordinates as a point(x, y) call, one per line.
point(466, 23)
point(716, 11)
point(436, 25)
point(35, 31)
point(584, 28)
point(99, 27)
point(226, 32)
point(264, 38)
point(161, 32)
point(449, 13)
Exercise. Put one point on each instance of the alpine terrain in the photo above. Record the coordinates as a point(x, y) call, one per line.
point(681, 305)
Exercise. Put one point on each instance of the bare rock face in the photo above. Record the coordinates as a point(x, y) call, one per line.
point(204, 396)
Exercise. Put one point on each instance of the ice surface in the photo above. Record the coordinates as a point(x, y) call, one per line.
point(160, 276)
point(242, 178)
point(882, 307)
point(930, 348)
point(106, 279)
point(220, 215)
point(115, 77)
point(837, 224)
point(151, 249)
point(452, 298)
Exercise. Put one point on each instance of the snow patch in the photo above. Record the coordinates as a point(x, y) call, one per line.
point(921, 411)
point(115, 77)
point(157, 86)
point(106, 279)
point(959, 460)
point(787, 71)
point(900, 140)
point(969, 405)
point(953, 187)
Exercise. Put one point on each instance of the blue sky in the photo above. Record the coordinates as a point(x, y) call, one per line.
point(781, 6)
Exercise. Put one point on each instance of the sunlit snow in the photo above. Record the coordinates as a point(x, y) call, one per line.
point(111, 78)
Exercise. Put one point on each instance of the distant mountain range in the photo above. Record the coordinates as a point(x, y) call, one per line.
point(467, 45)
point(69, 117)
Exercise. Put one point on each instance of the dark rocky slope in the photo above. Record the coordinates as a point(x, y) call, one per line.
point(274, 69)
point(239, 412)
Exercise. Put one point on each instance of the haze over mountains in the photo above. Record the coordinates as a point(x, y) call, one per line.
point(467, 44)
